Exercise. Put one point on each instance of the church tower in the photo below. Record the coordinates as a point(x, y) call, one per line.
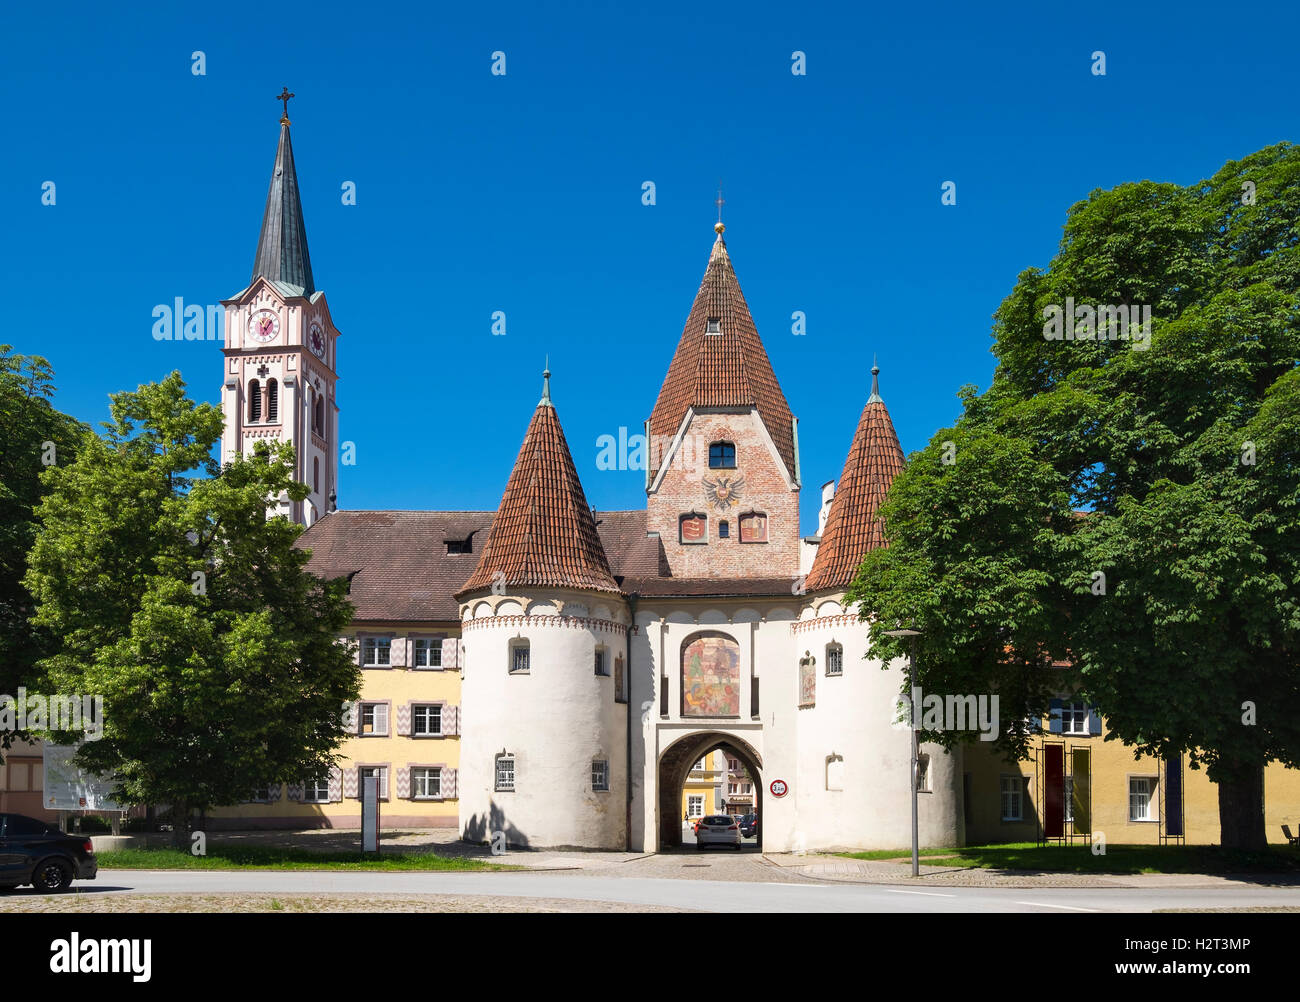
point(722, 480)
point(280, 349)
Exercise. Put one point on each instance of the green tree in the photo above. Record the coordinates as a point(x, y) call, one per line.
point(33, 436)
point(1130, 511)
point(188, 609)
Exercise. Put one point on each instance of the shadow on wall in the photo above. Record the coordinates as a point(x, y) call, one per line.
point(479, 828)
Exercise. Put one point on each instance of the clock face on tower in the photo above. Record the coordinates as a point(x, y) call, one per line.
point(316, 338)
point(263, 326)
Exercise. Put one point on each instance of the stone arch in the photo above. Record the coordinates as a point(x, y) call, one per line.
point(675, 763)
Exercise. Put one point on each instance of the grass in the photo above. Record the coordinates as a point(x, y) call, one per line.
point(1118, 858)
point(222, 857)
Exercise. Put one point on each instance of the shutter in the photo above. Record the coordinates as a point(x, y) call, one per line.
point(384, 792)
point(350, 783)
point(275, 793)
point(381, 718)
point(1055, 708)
point(336, 785)
point(1027, 809)
point(397, 652)
point(404, 722)
point(449, 651)
point(352, 717)
point(451, 720)
point(1094, 720)
point(296, 791)
point(404, 783)
point(448, 779)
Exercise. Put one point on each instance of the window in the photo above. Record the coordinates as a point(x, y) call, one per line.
point(519, 664)
point(1074, 718)
point(320, 415)
point(722, 456)
point(1012, 807)
point(695, 806)
point(724, 530)
point(505, 773)
point(272, 400)
point(426, 721)
point(834, 659)
point(316, 791)
point(1141, 798)
point(254, 400)
point(260, 795)
point(731, 787)
point(426, 783)
point(365, 772)
point(601, 664)
point(713, 325)
point(428, 653)
point(923, 773)
point(600, 775)
point(374, 719)
point(315, 474)
point(619, 695)
point(377, 651)
point(465, 545)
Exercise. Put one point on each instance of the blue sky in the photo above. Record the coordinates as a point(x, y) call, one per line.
point(522, 193)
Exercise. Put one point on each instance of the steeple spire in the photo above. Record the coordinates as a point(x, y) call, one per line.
point(546, 385)
point(875, 397)
point(282, 246)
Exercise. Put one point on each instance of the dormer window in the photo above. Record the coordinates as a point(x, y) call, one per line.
point(722, 456)
point(713, 325)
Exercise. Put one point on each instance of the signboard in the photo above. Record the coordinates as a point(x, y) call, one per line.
point(779, 788)
point(68, 788)
point(370, 814)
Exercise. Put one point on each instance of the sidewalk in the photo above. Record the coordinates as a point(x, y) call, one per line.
point(859, 871)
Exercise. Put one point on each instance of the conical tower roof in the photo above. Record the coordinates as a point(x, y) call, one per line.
point(729, 368)
point(282, 246)
point(853, 526)
point(544, 534)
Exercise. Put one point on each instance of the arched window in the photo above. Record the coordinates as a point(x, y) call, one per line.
point(519, 661)
point(320, 415)
point(315, 474)
point(254, 400)
point(722, 456)
point(710, 675)
point(834, 659)
point(272, 400)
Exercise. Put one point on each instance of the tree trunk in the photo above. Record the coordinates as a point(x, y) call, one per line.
point(1241, 808)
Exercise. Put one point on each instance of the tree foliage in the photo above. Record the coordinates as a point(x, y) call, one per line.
point(1131, 512)
point(189, 609)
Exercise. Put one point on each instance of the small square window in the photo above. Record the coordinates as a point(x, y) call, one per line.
point(426, 721)
point(519, 661)
point(426, 783)
point(427, 653)
point(377, 651)
point(374, 719)
point(600, 775)
point(713, 325)
point(316, 791)
point(724, 530)
point(722, 456)
point(378, 771)
point(505, 773)
point(834, 660)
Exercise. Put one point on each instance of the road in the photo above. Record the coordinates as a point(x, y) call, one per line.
point(708, 895)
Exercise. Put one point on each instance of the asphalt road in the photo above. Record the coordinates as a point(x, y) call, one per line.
point(707, 895)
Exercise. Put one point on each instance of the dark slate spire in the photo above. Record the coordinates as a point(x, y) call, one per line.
point(282, 248)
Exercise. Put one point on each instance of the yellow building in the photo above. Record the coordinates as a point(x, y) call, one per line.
point(702, 792)
point(1103, 790)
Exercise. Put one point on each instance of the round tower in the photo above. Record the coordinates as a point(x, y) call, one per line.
point(544, 752)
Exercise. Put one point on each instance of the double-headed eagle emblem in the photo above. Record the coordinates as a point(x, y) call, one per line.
point(723, 492)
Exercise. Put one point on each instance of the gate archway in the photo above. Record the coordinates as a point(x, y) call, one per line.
point(675, 764)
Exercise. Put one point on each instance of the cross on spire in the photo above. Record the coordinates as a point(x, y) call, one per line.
point(718, 227)
point(284, 96)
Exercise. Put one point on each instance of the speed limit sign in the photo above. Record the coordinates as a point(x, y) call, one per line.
point(779, 788)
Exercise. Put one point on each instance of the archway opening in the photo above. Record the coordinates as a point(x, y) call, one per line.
point(711, 773)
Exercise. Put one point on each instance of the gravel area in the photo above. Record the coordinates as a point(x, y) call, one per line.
point(301, 904)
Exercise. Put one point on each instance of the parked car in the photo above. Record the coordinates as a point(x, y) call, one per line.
point(34, 852)
point(749, 825)
point(717, 829)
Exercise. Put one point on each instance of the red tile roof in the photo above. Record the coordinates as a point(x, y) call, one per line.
point(543, 534)
point(398, 560)
point(729, 369)
point(852, 527)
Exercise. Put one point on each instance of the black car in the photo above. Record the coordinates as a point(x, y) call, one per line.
point(749, 825)
point(36, 853)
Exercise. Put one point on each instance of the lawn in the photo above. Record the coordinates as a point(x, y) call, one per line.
point(222, 857)
point(1118, 858)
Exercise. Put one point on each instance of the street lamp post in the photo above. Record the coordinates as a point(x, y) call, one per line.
point(911, 702)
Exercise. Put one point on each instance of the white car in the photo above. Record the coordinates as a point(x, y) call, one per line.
point(718, 829)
